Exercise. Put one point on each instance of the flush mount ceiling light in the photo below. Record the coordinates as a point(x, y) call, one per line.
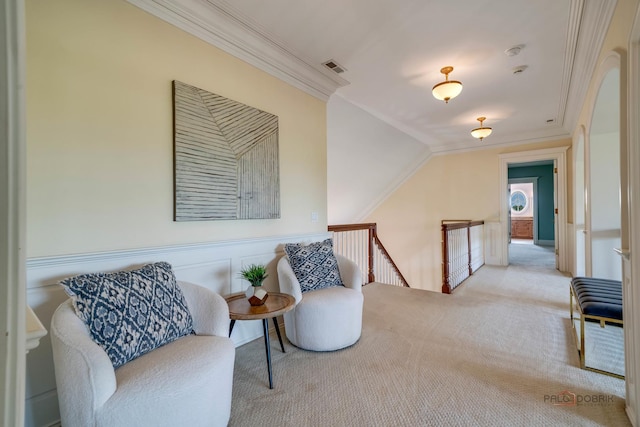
point(514, 51)
point(448, 89)
point(482, 131)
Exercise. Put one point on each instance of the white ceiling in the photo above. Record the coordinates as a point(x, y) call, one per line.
point(393, 52)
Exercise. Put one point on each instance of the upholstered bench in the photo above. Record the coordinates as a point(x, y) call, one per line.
point(597, 300)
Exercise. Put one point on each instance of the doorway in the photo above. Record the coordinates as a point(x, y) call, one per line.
point(532, 217)
point(523, 200)
point(557, 156)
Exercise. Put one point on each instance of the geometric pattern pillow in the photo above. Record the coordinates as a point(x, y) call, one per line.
point(130, 313)
point(314, 265)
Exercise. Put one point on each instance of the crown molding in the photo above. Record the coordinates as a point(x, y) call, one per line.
point(573, 33)
point(223, 28)
point(531, 138)
point(594, 23)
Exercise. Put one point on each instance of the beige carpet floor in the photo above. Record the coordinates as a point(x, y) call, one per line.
point(530, 255)
point(498, 352)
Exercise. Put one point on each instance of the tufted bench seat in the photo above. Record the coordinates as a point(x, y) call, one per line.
point(595, 300)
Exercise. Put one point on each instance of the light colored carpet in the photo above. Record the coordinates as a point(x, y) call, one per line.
point(498, 352)
point(529, 255)
point(604, 347)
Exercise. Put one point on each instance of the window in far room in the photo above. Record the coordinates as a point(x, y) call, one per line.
point(518, 201)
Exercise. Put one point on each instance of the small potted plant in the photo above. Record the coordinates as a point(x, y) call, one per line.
point(255, 274)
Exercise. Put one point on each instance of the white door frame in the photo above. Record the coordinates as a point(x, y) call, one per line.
point(631, 293)
point(12, 213)
point(559, 155)
point(579, 204)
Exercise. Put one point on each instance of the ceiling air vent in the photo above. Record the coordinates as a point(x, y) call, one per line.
point(334, 66)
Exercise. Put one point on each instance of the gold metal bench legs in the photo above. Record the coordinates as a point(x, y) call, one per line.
point(583, 318)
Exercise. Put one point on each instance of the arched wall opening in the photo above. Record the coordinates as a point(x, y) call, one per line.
point(603, 199)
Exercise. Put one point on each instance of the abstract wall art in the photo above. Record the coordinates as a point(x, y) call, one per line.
point(225, 158)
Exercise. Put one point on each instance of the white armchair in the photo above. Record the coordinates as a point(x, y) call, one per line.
point(186, 382)
point(326, 319)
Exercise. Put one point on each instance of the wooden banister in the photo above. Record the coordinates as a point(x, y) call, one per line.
point(395, 267)
point(375, 250)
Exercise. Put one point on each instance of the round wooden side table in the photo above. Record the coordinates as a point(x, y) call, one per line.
point(275, 305)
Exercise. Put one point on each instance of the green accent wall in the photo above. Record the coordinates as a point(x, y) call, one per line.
point(545, 196)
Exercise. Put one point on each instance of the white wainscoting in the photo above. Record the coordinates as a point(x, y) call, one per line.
point(213, 265)
point(576, 248)
point(493, 243)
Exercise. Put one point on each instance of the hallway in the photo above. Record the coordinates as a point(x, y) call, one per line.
point(525, 254)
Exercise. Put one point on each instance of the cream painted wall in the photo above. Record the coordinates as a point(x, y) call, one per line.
point(99, 131)
point(367, 159)
point(456, 186)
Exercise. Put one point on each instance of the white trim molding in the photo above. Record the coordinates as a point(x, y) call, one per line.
point(631, 273)
point(559, 155)
point(216, 23)
point(595, 20)
point(12, 213)
point(492, 243)
point(579, 249)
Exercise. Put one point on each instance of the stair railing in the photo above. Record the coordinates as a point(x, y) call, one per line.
point(361, 244)
point(462, 251)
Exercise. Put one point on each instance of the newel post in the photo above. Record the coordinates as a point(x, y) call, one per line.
point(372, 235)
point(446, 286)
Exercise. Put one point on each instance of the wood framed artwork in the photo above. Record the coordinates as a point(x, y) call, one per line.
point(226, 163)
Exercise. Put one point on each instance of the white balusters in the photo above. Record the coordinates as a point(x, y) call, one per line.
point(353, 241)
point(463, 251)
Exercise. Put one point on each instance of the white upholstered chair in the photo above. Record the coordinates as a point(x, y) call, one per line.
point(326, 319)
point(187, 382)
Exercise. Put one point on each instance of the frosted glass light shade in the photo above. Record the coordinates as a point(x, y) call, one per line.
point(447, 90)
point(482, 131)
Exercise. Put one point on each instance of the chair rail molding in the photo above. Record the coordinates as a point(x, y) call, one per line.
point(216, 23)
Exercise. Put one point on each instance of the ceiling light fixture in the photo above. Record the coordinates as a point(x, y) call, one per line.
point(482, 131)
point(514, 51)
point(519, 69)
point(448, 89)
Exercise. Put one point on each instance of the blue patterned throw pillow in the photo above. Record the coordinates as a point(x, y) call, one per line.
point(314, 265)
point(130, 313)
